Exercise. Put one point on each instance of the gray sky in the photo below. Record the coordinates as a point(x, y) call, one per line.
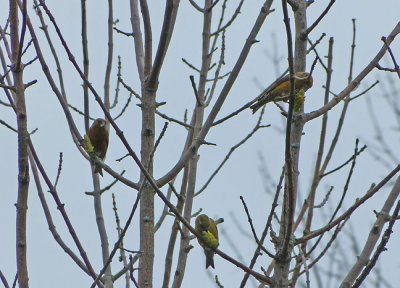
point(49, 266)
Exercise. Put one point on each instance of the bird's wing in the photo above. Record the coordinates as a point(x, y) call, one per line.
point(273, 86)
point(213, 229)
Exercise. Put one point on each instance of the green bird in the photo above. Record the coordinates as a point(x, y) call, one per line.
point(208, 231)
point(280, 89)
point(98, 135)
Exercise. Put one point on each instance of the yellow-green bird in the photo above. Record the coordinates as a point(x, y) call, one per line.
point(280, 89)
point(208, 231)
point(98, 135)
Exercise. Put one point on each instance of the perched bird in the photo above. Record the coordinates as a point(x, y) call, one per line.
point(280, 89)
point(208, 231)
point(98, 135)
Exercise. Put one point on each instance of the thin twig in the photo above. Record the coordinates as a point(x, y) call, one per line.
point(312, 26)
point(357, 80)
point(267, 226)
point(396, 66)
point(122, 250)
point(381, 248)
point(117, 244)
point(128, 34)
point(190, 65)
point(230, 21)
point(233, 148)
point(128, 101)
point(64, 214)
point(164, 116)
point(290, 187)
point(158, 141)
point(196, 94)
point(79, 111)
point(260, 245)
point(8, 126)
point(371, 192)
point(60, 161)
point(108, 187)
point(4, 280)
point(365, 91)
point(358, 152)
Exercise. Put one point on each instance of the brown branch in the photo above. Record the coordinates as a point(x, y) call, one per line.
point(85, 52)
point(357, 153)
point(381, 248)
point(290, 193)
point(49, 218)
point(138, 39)
point(98, 98)
point(52, 49)
point(328, 245)
point(171, 10)
point(64, 214)
point(396, 66)
point(235, 14)
point(122, 250)
point(304, 35)
point(233, 148)
point(60, 161)
point(110, 49)
point(310, 202)
point(117, 244)
point(267, 226)
point(4, 280)
point(8, 126)
point(164, 116)
point(128, 101)
point(373, 237)
point(221, 98)
point(196, 94)
point(341, 200)
point(196, 6)
point(354, 84)
point(23, 137)
point(221, 61)
point(253, 231)
point(365, 91)
point(351, 209)
point(17, 64)
point(158, 141)
point(312, 48)
point(148, 40)
point(106, 188)
point(174, 230)
point(197, 121)
point(190, 65)
point(128, 34)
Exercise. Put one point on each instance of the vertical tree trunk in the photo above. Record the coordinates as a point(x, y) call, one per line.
point(146, 259)
point(197, 125)
point(23, 166)
point(282, 267)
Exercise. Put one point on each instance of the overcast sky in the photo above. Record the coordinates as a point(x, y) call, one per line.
point(49, 266)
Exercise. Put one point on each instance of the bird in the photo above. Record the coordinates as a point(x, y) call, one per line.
point(208, 232)
point(98, 135)
point(280, 89)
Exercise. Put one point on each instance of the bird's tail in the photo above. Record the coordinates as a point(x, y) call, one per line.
point(98, 169)
point(256, 106)
point(209, 259)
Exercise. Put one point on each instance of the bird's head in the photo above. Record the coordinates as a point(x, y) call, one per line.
point(100, 124)
point(305, 78)
point(203, 221)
